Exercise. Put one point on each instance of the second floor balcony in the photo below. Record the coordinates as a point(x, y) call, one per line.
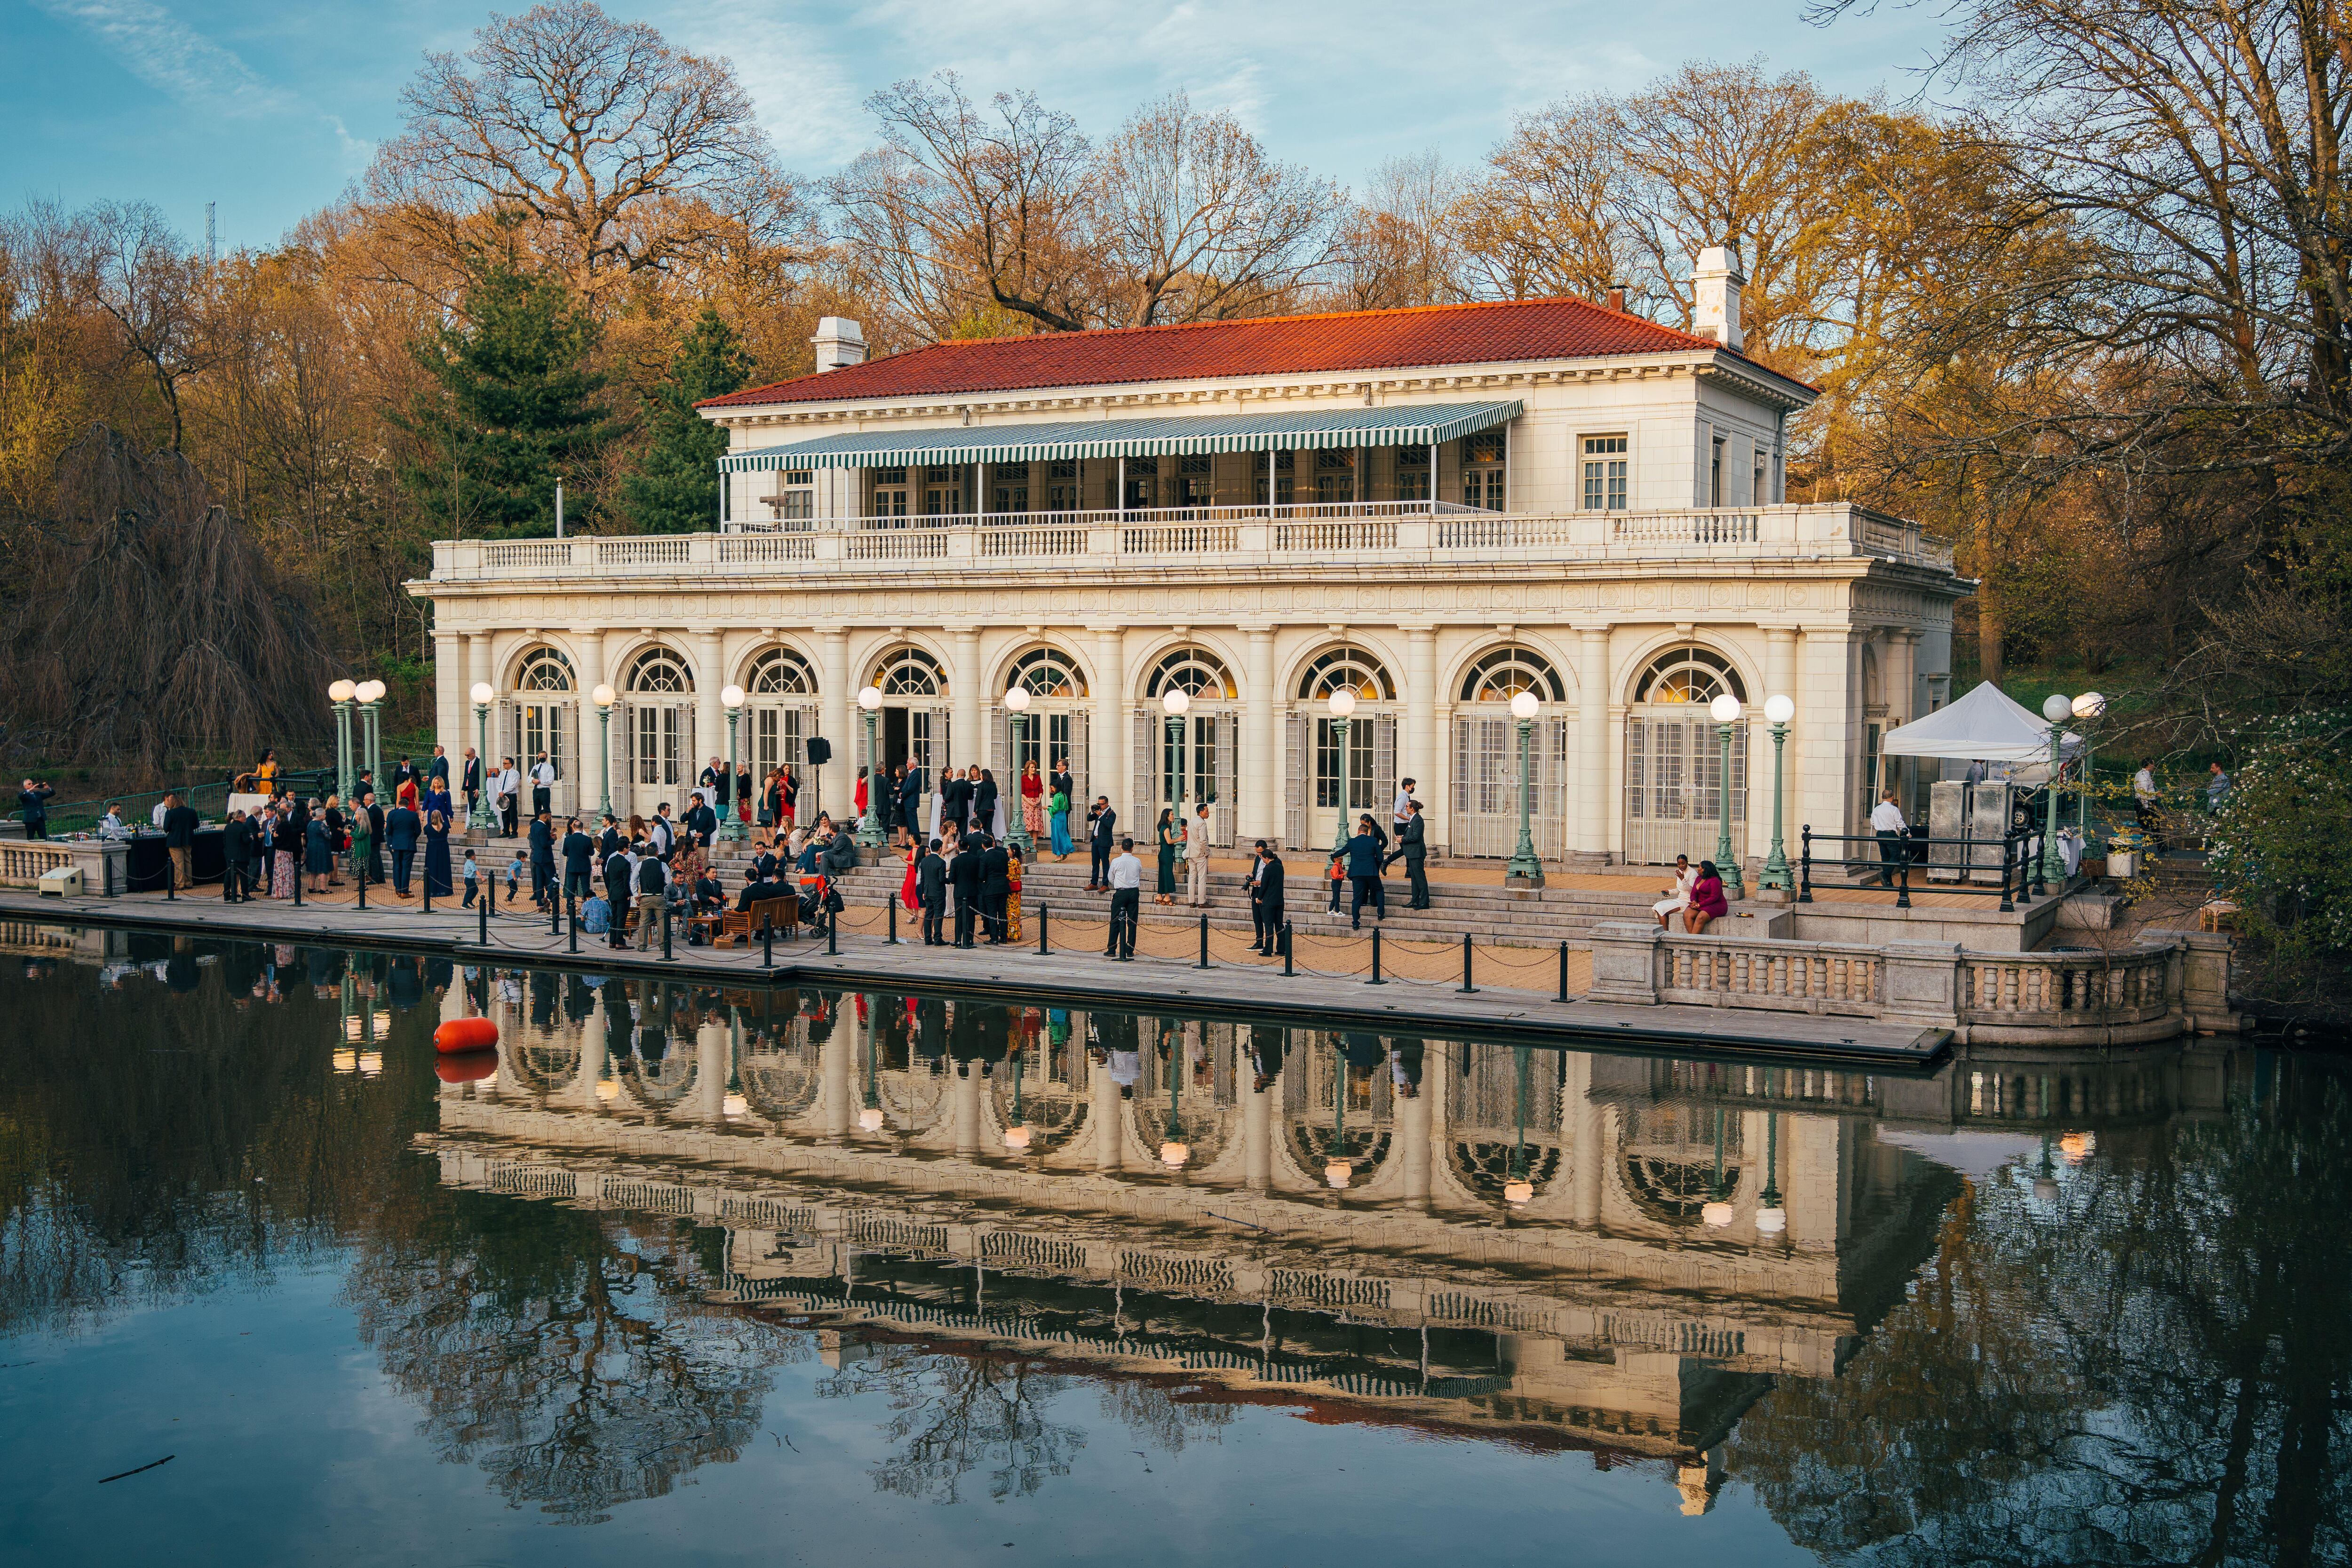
point(1225, 539)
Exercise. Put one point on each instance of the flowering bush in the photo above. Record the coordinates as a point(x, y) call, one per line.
point(2281, 846)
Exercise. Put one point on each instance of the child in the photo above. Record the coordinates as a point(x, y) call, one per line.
point(514, 876)
point(473, 878)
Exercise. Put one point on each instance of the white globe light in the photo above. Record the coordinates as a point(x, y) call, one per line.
point(733, 1105)
point(869, 1120)
point(1525, 705)
point(1176, 699)
point(1725, 708)
point(1337, 1175)
point(1717, 1214)
point(2057, 708)
point(870, 698)
point(1771, 1221)
point(1018, 1139)
point(1517, 1192)
point(2090, 705)
point(1016, 697)
point(1343, 702)
point(604, 696)
point(1174, 1155)
point(482, 692)
point(340, 691)
point(368, 690)
point(730, 696)
point(1779, 710)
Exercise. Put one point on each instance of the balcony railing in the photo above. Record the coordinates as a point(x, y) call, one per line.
point(1362, 533)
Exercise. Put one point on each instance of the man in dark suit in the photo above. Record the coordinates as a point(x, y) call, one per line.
point(911, 802)
point(955, 798)
point(579, 850)
point(402, 828)
point(33, 808)
point(1412, 848)
point(542, 859)
point(1363, 856)
point(472, 781)
point(368, 803)
point(1265, 899)
point(440, 766)
point(237, 853)
point(609, 842)
point(931, 892)
point(1100, 820)
point(180, 821)
point(995, 887)
point(966, 877)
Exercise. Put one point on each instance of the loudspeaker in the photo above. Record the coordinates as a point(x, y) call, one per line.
point(819, 750)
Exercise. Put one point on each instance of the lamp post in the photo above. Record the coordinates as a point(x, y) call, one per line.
point(485, 815)
point(340, 694)
point(870, 826)
point(1716, 1211)
point(1519, 1190)
point(731, 698)
point(1177, 701)
point(1772, 1220)
point(1016, 1133)
point(1175, 1152)
point(369, 693)
point(1016, 703)
point(1725, 710)
point(2086, 707)
point(1779, 711)
point(605, 697)
point(2057, 708)
point(1524, 870)
point(869, 1119)
point(1342, 703)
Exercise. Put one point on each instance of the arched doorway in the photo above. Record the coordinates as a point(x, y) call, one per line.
point(658, 728)
point(779, 702)
point(1199, 761)
point(543, 714)
point(1312, 791)
point(1673, 759)
point(1486, 755)
point(912, 727)
point(1055, 727)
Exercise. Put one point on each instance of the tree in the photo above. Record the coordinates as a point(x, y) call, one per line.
point(617, 147)
point(1399, 245)
point(512, 401)
point(135, 269)
point(675, 487)
point(1554, 214)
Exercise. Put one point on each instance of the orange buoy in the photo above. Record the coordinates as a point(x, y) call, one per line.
point(465, 1035)
point(466, 1067)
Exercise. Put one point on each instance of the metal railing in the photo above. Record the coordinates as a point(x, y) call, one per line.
point(2020, 874)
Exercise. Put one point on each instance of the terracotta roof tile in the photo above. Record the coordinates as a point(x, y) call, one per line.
point(1498, 332)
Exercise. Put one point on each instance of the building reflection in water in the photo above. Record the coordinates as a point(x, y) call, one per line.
point(1616, 1253)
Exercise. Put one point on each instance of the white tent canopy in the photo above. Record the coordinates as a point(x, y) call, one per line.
point(1984, 725)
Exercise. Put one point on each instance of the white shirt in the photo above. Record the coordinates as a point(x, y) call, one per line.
point(543, 775)
point(660, 832)
point(1888, 818)
point(109, 826)
point(1126, 871)
point(156, 815)
point(1398, 812)
point(2144, 785)
point(509, 782)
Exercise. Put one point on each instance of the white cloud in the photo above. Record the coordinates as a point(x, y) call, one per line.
point(163, 51)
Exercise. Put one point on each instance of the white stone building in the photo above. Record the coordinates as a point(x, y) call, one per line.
point(1467, 500)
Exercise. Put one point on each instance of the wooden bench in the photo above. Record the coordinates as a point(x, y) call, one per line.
point(782, 911)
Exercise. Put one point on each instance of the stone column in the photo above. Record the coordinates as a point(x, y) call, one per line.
point(1261, 760)
point(592, 1053)
point(1413, 1119)
point(711, 1072)
point(838, 705)
point(709, 716)
point(1107, 1115)
point(1421, 761)
point(587, 775)
point(1587, 1157)
point(839, 1055)
point(968, 739)
point(963, 1089)
point(1111, 741)
point(1592, 791)
point(1257, 1118)
point(449, 695)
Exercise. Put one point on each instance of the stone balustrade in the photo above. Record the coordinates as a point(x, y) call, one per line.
point(2165, 984)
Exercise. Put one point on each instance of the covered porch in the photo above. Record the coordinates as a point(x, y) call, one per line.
point(1367, 463)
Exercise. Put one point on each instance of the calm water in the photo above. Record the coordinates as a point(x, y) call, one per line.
point(839, 1279)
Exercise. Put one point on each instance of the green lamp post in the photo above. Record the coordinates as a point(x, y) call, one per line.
point(341, 694)
point(731, 698)
point(1016, 703)
point(1178, 703)
point(605, 697)
point(1724, 709)
point(1342, 703)
point(2057, 708)
point(869, 826)
point(1778, 710)
point(1525, 870)
point(485, 815)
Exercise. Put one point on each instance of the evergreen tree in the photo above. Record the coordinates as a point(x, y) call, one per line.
point(676, 488)
point(512, 405)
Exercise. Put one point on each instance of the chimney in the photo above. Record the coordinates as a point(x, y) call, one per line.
point(838, 342)
point(1715, 295)
point(1617, 298)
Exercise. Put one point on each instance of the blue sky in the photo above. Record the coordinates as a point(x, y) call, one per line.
point(271, 110)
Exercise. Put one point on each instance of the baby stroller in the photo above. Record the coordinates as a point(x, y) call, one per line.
point(820, 903)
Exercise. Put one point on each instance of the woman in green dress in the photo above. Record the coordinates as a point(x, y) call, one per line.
point(1166, 833)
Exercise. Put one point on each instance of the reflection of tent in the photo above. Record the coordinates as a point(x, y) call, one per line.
point(1985, 724)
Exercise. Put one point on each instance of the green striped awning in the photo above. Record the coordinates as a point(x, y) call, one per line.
point(1413, 426)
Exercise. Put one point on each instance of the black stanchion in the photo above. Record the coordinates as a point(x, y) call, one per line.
point(1287, 968)
point(298, 882)
point(571, 918)
point(833, 933)
point(667, 955)
point(892, 940)
point(425, 889)
point(1043, 951)
point(1204, 943)
point(106, 871)
point(767, 943)
point(1805, 867)
point(363, 880)
point(482, 912)
point(1563, 972)
point(1903, 878)
point(1466, 987)
point(1376, 979)
point(2008, 847)
point(554, 918)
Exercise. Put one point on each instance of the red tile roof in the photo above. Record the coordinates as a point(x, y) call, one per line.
point(1485, 334)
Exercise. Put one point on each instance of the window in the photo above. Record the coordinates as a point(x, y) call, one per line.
point(657, 669)
point(942, 489)
point(1136, 466)
point(781, 672)
point(1604, 473)
point(909, 673)
point(1201, 464)
point(543, 669)
point(1714, 475)
point(1193, 670)
point(1481, 470)
point(1352, 667)
point(1283, 482)
point(890, 492)
point(1062, 493)
point(795, 498)
point(1501, 675)
point(1411, 473)
point(1335, 475)
point(1047, 672)
point(1688, 675)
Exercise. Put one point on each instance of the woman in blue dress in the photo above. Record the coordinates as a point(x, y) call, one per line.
point(317, 853)
point(1059, 814)
point(437, 856)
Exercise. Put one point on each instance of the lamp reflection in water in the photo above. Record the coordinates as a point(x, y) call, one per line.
point(1016, 1136)
point(1772, 1220)
point(1175, 1154)
point(869, 1120)
point(1518, 1189)
point(1716, 1210)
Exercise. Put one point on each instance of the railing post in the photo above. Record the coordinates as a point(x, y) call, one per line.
point(1805, 867)
point(1376, 979)
point(482, 911)
point(1563, 970)
point(1466, 987)
point(892, 903)
point(2008, 905)
point(361, 874)
point(1903, 880)
point(1043, 951)
point(832, 931)
point(666, 956)
point(1204, 943)
point(572, 918)
point(1286, 967)
point(767, 942)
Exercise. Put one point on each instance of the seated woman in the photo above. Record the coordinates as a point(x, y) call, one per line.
point(1707, 903)
point(1678, 897)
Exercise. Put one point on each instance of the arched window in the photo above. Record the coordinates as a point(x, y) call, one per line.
point(1046, 672)
point(1505, 672)
point(1349, 667)
point(1689, 675)
point(781, 672)
point(657, 669)
point(543, 669)
point(909, 672)
point(1194, 671)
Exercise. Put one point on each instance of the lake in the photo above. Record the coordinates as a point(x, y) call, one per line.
point(699, 1275)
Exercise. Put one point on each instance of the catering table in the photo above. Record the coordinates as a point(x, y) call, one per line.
point(150, 860)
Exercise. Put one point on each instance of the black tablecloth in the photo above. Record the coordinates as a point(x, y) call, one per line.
point(149, 862)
